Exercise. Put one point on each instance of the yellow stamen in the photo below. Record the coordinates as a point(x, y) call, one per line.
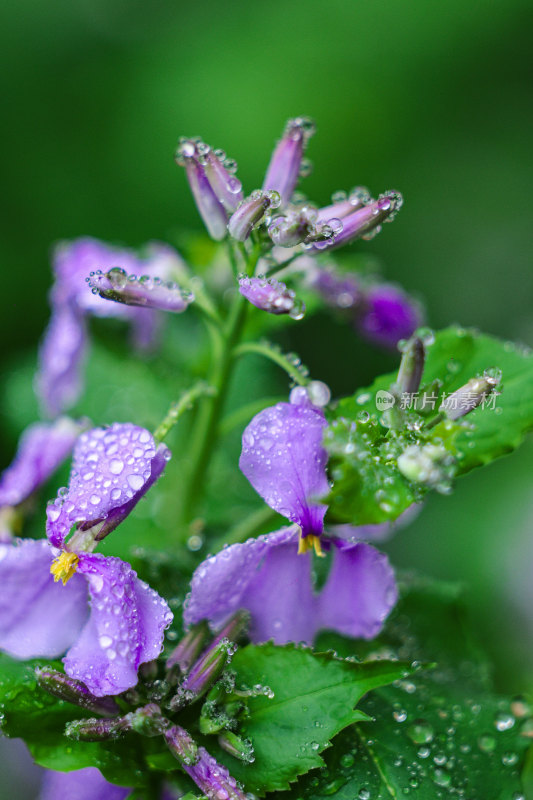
point(310, 542)
point(64, 566)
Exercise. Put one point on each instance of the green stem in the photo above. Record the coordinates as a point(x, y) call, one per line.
point(205, 431)
point(178, 408)
point(280, 267)
point(271, 352)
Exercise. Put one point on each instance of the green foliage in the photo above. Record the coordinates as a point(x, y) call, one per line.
point(314, 698)
point(440, 733)
point(27, 711)
point(364, 445)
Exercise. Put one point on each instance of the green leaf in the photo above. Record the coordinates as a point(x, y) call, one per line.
point(27, 711)
point(314, 699)
point(368, 486)
point(439, 734)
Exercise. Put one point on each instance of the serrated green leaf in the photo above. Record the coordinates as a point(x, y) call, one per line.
point(314, 699)
point(368, 487)
point(439, 734)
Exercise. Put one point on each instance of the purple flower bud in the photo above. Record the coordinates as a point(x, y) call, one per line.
point(204, 673)
point(145, 291)
point(251, 213)
point(471, 395)
point(387, 314)
point(344, 204)
point(96, 729)
point(286, 162)
point(411, 366)
point(75, 692)
point(189, 155)
point(148, 720)
point(365, 221)
point(272, 296)
point(300, 224)
point(189, 648)
point(220, 172)
point(211, 777)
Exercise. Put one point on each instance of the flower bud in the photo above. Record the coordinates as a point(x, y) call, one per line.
point(72, 691)
point(94, 730)
point(148, 720)
point(286, 162)
point(226, 186)
point(271, 295)
point(189, 648)
point(251, 213)
point(471, 395)
point(142, 291)
point(411, 366)
point(365, 221)
point(344, 204)
point(236, 746)
point(212, 211)
point(211, 777)
point(429, 464)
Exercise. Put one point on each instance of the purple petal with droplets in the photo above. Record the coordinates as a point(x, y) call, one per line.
point(388, 314)
point(359, 593)
point(112, 469)
point(284, 460)
point(81, 784)
point(116, 285)
point(211, 209)
point(37, 616)
point(125, 627)
point(284, 167)
point(42, 448)
point(213, 779)
point(59, 378)
point(267, 577)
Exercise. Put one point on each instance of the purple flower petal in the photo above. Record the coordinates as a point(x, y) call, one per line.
point(388, 314)
point(37, 616)
point(81, 784)
point(42, 448)
point(267, 577)
point(125, 627)
point(59, 379)
point(284, 460)
point(112, 469)
point(359, 593)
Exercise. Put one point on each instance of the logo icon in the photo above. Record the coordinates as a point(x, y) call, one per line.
point(384, 400)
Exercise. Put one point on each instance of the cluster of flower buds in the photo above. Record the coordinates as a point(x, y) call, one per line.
point(194, 669)
point(215, 188)
point(143, 291)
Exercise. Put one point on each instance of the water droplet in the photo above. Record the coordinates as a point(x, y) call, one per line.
point(420, 732)
point(136, 482)
point(486, 743)
point(504, 721)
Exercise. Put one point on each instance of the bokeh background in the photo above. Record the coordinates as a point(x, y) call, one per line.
point(432, 99)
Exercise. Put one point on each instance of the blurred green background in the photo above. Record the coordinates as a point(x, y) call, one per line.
point(432, 99)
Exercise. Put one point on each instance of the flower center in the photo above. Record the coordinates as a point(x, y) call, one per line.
point(64, 566)
point(310, 542)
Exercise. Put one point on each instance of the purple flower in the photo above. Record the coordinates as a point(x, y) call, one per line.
point(271, 295)
point(251, 213)
point(387, 314)
point(284, 460)
point(81, 784)
point(365, 221)
point(211, 777)
point(60, 375)
point(338, 290)
point(145, 291)
point(42, 448)
point(286, 162)
point(268, 577)
point(112, 470)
